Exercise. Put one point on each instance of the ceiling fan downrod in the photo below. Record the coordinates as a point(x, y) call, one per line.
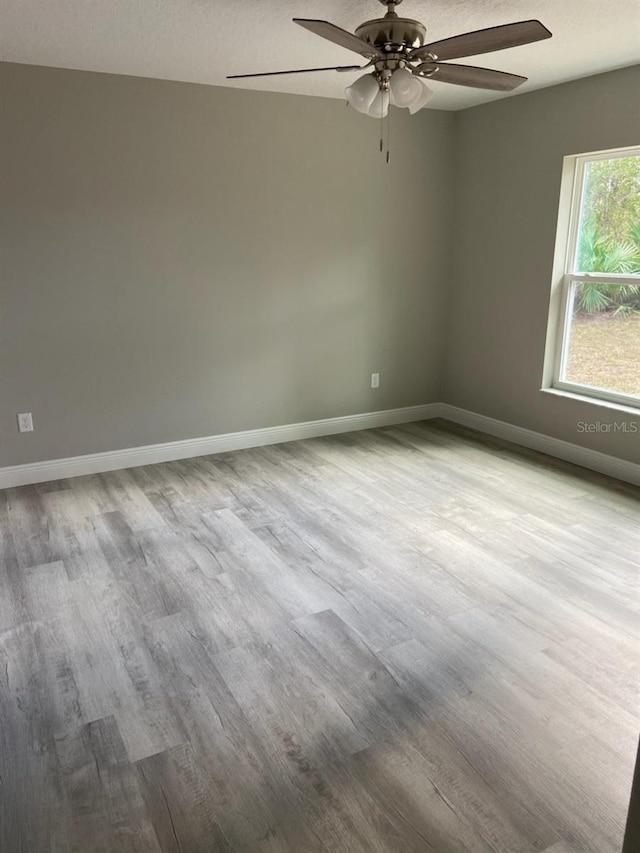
point(392, 35)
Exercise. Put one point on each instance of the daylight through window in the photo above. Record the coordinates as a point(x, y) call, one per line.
point(599, 346)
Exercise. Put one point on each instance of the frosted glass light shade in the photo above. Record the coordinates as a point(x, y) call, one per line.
point(404, 87)
point(380, 105)
point(423, 98)
point(362, 93)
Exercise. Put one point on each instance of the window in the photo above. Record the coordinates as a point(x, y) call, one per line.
point(596, 327)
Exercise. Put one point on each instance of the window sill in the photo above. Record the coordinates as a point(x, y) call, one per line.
point(594, 401)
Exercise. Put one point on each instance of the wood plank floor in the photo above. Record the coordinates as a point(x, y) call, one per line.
point(400, 640)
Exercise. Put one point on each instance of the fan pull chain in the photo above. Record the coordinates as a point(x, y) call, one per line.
point(388, 157)
point(382, 128)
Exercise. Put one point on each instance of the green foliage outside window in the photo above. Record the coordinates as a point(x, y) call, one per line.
point(610, 235)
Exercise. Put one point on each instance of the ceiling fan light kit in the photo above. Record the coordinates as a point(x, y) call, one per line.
point(380, 106)
point(362, 93)
point(367, 96)
point(399, 58)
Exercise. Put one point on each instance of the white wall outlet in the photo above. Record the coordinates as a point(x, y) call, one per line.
point(25, 422)
point(375, 380)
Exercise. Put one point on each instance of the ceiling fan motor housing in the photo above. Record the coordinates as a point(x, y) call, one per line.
point(392, 34)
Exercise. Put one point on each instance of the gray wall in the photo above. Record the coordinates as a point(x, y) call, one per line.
point(180, 260)
point(508, 167)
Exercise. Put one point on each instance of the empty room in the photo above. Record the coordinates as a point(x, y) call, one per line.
point(319, 426)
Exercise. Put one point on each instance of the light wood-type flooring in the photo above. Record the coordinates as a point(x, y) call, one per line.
point(403, 640)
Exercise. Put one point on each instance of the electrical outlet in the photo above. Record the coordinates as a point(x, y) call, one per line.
point(25, 422)
point(375, 380)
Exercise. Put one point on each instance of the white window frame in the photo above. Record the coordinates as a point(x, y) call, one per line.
point(566, 278)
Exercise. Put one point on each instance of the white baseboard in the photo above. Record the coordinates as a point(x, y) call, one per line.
point(96, 463)
point(583, 456)
point(113, 460)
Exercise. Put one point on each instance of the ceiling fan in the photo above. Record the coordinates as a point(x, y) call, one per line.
point(395, 50)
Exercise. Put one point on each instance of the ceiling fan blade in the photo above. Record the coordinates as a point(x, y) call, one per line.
point(298, 71)
point(469, 75)
point(338, 36)
point(484, 41)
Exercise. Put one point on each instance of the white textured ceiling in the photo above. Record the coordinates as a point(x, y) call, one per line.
point(203, 40)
